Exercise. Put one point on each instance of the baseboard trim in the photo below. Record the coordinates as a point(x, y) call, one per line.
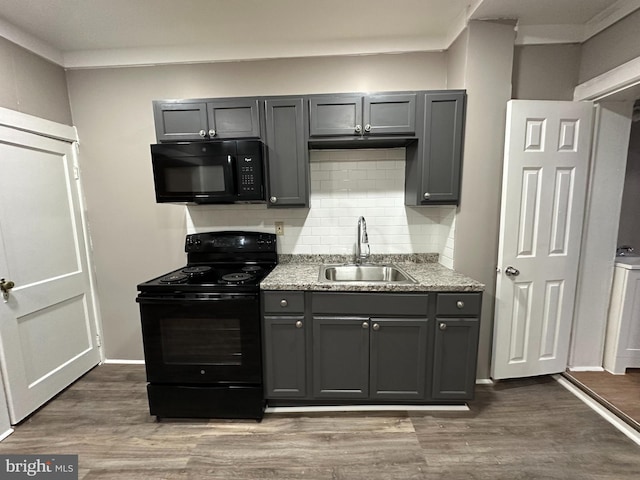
point(123, 362)
point(6, 434)
point(368, 408)
point(484, 381)
point(613, 419)
point(586, 369)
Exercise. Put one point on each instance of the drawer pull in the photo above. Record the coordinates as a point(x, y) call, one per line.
point(460, 304)
point(298, 324)
point(443, 326)
point(283, 303)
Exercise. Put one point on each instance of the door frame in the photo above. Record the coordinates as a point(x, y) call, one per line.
point(47, 128)
point(613, 93)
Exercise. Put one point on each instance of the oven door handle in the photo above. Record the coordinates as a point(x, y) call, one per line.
point(196, 298)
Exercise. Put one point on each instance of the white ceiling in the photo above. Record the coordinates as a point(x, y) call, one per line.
point(94, 33)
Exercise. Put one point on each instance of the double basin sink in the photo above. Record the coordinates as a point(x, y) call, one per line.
point(364, 273)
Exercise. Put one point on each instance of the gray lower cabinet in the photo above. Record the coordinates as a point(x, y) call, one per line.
point(284, 332)
point(354, 116)
point(457, 328)
point(398, 358)
point(375, 358)
point(285, 356)
point(434, 163)
point(370, 347)
point(287, 153)
point(340, 357)
point(183, 120)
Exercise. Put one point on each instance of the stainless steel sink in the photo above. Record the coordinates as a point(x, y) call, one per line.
point(364, 273)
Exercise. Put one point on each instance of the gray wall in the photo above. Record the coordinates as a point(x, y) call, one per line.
point(488, 56)
point(133, 237)
point(532, 65)
point(612, 47)
point(629, 230)
point(32, 85)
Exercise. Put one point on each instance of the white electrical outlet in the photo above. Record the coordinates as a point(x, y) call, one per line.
point(279, 228)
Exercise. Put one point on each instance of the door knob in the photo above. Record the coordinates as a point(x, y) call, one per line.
point(5, 286)
point(367, 128)
point(512, 272)
point(202, 133)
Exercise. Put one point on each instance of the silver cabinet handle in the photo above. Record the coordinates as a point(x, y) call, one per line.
point(365, 325)
point(358, 128)
point(212, 133)
point(427, 195)
point(283, 303)
point(273, 199)
point(443, 326)
point(367, 128)
point(512, 272)
point(202, 133)
point(460, 304)
point(298, 324)
point(376, 327)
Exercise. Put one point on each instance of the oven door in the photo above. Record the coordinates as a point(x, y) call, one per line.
point(202, 340)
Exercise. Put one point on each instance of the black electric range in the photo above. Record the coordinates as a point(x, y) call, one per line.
point(201, 328)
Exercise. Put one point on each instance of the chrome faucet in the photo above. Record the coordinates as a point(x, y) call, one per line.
point(624, 250)
point(363, 238)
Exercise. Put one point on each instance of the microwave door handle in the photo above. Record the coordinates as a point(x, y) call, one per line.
point(231, 168)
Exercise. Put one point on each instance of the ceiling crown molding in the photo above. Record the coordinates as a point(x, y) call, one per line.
point(31, 43)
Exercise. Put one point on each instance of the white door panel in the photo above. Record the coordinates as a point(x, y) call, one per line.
point(47, 325)
point(546, 162)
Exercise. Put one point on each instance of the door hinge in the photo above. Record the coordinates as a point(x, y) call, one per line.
point(98, 340)
point(76, 172)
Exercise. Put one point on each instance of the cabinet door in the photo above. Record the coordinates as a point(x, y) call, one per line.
point(287, 153)
point(234, 118)
point(442, 147)
point(179, 121)
point(285, 356)
point(340, 357)
point(339, 115)
point(455, 358)
point(398, 358)
point(392, 114)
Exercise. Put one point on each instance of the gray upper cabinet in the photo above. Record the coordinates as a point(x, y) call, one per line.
point(434, 164)
point(287, 153)
point(234, 118)
point(356, 116)
point(184, 120)
point(180, 121)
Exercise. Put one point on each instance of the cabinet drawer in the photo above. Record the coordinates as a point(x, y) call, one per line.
point(283, 302)
point(378, 304)
point(458, 304)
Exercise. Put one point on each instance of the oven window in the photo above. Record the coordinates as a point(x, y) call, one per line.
point(201, 341)
point(196, 179)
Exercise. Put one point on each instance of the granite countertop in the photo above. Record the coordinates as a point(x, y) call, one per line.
point(300, 272)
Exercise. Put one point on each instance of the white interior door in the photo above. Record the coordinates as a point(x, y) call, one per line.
point(547, 151)
point(47, 321)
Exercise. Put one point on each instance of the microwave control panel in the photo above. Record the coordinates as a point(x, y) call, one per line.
point(249, 175)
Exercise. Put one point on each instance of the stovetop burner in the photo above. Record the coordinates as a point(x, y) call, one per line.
point(196, 270)
point(236, 277)
point(251, 268)
point(174, 278)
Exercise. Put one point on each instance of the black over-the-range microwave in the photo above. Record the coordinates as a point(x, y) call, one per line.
point(229, 171)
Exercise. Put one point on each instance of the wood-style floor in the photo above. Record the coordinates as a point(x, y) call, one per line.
point(524, 429)
point(619, 393)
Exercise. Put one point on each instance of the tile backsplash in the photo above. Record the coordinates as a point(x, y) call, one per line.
point(345, 184)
